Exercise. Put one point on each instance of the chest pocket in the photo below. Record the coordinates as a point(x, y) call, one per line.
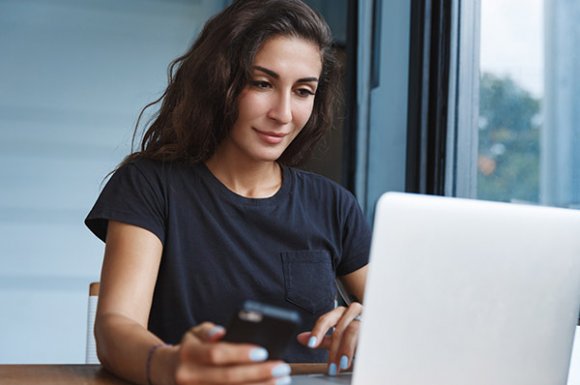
point(309, 280)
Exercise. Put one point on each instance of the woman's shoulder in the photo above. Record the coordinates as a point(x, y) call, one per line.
point(313, 178)
point(313, 183)
point(153, 168)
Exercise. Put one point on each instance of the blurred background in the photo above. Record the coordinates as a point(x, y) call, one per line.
point(73, 78)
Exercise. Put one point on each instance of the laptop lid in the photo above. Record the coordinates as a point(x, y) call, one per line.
point(469, 292)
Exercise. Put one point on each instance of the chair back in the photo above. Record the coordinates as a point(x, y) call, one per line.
point(91, 347)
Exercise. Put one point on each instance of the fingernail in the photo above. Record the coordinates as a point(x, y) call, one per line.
point(344, 362)
point(258, 354)
point(281, 370)
point(283, 381)
point(312, 342)
point(215, 330)
point(332, 369)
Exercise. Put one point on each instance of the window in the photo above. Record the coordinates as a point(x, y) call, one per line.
point(529, 102)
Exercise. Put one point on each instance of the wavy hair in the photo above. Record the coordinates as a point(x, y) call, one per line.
point(200, 104)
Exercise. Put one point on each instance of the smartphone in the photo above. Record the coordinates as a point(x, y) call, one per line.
point(269, 326)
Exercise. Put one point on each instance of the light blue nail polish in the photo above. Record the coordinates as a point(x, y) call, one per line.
point(344, 362)
point(332, 369)
point(258, 354)
point(281, 370)
point(215, 330)
point(312, 341)
point(283, 381)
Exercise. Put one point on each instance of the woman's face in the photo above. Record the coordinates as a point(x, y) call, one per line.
point(278, 101)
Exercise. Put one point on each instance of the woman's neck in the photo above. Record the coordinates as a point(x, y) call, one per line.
point(246, 178)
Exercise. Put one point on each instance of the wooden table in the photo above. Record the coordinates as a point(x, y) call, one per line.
point(57, 374)
point(89, 374)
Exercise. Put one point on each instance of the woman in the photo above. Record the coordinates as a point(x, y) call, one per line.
point(209, 212)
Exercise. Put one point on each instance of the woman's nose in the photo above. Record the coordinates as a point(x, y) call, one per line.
point(281, 108)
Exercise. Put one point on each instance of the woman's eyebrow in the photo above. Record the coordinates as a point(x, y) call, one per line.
point(276, 76)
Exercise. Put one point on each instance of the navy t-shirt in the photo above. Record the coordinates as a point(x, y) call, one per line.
point(220, 248)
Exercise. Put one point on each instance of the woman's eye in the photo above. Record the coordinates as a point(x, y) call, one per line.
point(260, 84)
point(304, 92)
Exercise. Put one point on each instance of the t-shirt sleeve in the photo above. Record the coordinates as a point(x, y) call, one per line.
point(356, 239)
point(132, 195)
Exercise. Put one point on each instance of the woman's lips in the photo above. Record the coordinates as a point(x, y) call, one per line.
point(270, 137)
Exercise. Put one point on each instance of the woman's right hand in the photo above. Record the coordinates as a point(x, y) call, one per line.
point(204, 359)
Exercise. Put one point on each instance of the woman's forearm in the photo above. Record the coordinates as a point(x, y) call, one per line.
point(124, 347)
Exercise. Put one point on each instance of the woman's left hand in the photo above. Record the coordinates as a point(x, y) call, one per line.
point(341, 344)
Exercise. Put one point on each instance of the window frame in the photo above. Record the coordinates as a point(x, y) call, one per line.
point(462, 128)
point(429, 67)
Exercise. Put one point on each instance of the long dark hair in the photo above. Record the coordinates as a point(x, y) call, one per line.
point(199, 106)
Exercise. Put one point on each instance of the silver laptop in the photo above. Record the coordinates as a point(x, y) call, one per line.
point(467, 292)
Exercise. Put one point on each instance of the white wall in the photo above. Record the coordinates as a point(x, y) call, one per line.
point(74, 74)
